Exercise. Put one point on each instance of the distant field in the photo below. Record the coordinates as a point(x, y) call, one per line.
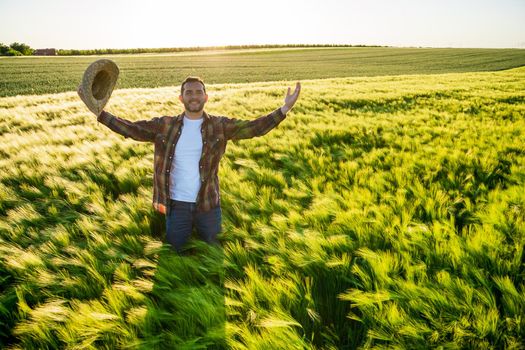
point(383, 213)
point(39, 75)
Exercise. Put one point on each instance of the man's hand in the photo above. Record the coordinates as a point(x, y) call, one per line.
point(290, 99)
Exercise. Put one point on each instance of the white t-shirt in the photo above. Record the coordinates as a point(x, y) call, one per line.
point(185, 179)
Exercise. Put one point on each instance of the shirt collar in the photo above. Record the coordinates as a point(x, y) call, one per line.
point(180, 117)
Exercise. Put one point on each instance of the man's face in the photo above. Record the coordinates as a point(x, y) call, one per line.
point(193, 97)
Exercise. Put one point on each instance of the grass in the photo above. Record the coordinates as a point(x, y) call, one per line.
point(384, 212)
point(43, 75)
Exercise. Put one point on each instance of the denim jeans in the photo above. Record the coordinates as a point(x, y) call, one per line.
point(182, 217)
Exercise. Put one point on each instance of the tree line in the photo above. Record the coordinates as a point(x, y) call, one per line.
point(195, 48)
point(20, 49)
point(16, 49)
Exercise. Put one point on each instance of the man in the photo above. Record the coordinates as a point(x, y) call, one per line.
point(188, 149)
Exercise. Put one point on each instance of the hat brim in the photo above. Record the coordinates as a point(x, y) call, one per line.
point(97, 84)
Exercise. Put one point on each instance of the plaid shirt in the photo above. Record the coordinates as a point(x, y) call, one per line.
point(165, 131)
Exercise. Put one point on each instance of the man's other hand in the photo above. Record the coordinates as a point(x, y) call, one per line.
point(290, 99)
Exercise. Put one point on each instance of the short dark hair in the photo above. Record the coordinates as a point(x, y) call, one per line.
point(192, 80)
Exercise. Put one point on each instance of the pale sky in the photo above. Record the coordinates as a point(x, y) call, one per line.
point(73, 24)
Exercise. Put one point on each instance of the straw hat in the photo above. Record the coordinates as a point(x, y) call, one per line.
point(97, 84)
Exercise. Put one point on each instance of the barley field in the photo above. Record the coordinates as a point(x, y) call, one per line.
point(385, 212)
point(43, 75)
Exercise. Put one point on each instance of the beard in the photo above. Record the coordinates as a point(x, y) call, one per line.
point(194, 108)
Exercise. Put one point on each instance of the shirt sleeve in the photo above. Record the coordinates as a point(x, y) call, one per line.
point(236, 129)
point(142, 130)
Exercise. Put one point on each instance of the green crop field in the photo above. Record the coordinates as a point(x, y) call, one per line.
point(384, 212)
point(40, 75)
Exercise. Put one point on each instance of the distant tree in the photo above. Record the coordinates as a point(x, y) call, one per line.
point(3, 49)
point(22, 48)
point(8, 51)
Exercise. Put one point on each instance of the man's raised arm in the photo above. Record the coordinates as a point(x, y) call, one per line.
point(142, 130)
point(236, 129)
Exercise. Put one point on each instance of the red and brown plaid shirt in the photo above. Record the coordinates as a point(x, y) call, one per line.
point(165, 131)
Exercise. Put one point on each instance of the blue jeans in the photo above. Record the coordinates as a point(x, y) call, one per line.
point(182, 217)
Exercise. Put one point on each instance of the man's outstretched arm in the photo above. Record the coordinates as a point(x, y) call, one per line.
point(235, 129)
point(142, 130)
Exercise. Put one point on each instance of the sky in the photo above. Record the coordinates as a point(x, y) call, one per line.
point(73, 24)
